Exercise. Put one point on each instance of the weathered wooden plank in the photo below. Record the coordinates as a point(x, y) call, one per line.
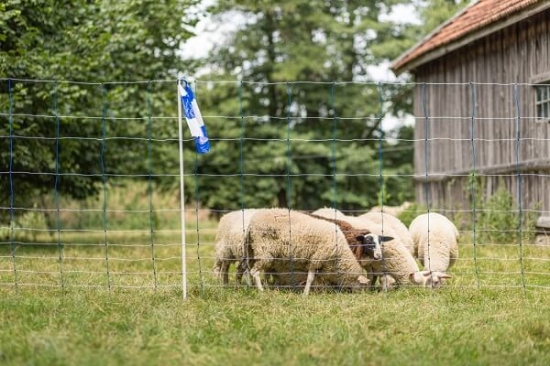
point(512, 55)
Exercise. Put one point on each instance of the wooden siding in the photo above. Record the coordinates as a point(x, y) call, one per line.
point(484, 140)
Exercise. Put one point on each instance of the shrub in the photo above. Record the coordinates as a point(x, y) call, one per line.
point(411, 212)
point(499, 220)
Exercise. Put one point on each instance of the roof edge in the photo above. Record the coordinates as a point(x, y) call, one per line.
point(462, 41)
point(426, 38)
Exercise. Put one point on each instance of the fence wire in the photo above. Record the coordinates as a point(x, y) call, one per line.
point(90, 193)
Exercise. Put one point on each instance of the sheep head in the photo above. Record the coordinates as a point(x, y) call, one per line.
point(429, 279)
point(364, 244)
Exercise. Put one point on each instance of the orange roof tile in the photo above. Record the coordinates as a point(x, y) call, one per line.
point(474, 17)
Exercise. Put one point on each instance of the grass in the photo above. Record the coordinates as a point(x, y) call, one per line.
point(495, 311)
point(232, 327)
point(482, 318)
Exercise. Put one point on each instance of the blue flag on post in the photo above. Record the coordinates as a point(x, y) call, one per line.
point(194, 118)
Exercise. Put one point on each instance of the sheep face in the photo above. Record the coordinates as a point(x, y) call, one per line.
point(429, 279)
point(372, 244)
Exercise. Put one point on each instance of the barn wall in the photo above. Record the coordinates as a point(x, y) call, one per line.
point(471, 112)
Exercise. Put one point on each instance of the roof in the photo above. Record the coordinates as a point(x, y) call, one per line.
point(474, 18)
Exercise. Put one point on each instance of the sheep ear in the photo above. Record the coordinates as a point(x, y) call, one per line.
point(383, 239)
point(443, 275)
point(426, 273)
point(360, 237)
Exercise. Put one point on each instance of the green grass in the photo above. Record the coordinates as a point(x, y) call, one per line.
point(484, 317)
point(494, 311)
point(232, 327)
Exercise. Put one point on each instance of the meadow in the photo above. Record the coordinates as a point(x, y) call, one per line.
point(67, 298)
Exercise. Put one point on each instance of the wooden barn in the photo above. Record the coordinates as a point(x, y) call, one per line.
point(482, 106)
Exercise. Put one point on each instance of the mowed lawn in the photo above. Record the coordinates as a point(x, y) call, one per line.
point(115, 305)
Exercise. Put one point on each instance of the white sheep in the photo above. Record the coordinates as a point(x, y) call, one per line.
point(295, 243)
point(397, 267)
point(387, 220)
point(436, 241)
point(229, 242)
point(365, 246)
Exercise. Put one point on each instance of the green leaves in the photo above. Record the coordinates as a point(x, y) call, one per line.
point(310, 120)
point(87, 42)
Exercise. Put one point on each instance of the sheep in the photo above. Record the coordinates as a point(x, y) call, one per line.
point(229, 242)
point(362, 243)
point(436, 242)
point(365, 246)
point(296, 243)
point(398, 266)
point(387, 220)
point(392, 210)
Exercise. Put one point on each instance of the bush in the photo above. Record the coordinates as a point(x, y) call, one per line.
point(500, 221)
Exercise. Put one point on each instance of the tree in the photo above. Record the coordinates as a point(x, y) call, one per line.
point(308, 144)
point(433, 13)
point(84, 41)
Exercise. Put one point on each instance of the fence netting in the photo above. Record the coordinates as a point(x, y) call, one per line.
point(90, 174)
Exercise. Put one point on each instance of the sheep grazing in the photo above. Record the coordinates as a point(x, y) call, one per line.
point(229, 242)
point(364, 245)
point(398, 267)
point(295, 243)
point(387, 220)
point(436, 242)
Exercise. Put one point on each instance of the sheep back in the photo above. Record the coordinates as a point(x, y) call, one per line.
point(293, 242)
point(436, 241)
point(329, 213)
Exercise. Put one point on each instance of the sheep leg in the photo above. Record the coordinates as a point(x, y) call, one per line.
point(241, 270)
point(310, 278)
point(224, 272)
point(256, 275)
point(373, 281)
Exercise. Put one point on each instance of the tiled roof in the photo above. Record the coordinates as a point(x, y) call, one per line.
point(475, 17)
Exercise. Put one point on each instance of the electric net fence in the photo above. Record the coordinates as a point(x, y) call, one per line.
point(93, 176)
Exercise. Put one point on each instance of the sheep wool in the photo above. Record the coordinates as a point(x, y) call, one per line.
point(399, 228)
point(398, 266)
point(363, 244)
point(436, 241)
point(297, 244)
point(394, 263)
point(329, 213)
point(229, 242)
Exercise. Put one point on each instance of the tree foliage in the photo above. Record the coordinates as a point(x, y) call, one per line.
point(85, 41)
point(276, 140)
point(305, 120)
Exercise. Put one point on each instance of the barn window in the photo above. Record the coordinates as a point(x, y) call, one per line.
point(542, 101)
